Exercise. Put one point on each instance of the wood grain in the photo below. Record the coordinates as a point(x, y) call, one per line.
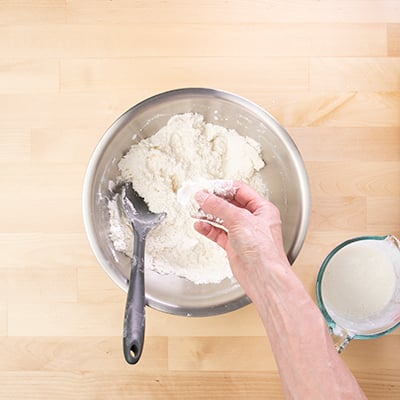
point(329, 71)
point(202, 40)
point(393, 37)
point(278, 73)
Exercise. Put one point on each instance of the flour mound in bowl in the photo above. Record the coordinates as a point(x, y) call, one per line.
point(187, 149)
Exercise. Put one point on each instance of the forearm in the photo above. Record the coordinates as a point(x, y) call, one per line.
point(308, 363)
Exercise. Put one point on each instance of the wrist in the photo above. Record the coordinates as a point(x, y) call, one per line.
point(274, 284)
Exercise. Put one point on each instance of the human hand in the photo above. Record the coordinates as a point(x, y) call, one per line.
point(253, 237)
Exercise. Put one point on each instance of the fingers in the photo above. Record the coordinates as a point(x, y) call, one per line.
point(214, 205)
point(244, 198)
point(252, 201)
point(247, 197)
point(213, 233)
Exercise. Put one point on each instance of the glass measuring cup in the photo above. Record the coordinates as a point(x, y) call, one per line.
point(358, 289)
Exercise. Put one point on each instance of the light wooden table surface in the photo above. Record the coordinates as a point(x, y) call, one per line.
point(329, 71)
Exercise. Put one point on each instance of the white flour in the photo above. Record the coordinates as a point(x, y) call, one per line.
point(186, 149)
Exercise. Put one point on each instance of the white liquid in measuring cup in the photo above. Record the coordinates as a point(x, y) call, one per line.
point(359, 280)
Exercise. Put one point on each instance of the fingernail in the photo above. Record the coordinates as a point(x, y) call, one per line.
point(201, 197)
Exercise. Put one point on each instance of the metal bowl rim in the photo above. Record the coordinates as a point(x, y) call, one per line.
point(187, 92)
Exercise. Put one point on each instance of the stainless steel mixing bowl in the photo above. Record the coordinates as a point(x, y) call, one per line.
point(284, 174)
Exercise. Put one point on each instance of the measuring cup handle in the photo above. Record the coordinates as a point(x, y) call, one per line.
point(341, 338)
